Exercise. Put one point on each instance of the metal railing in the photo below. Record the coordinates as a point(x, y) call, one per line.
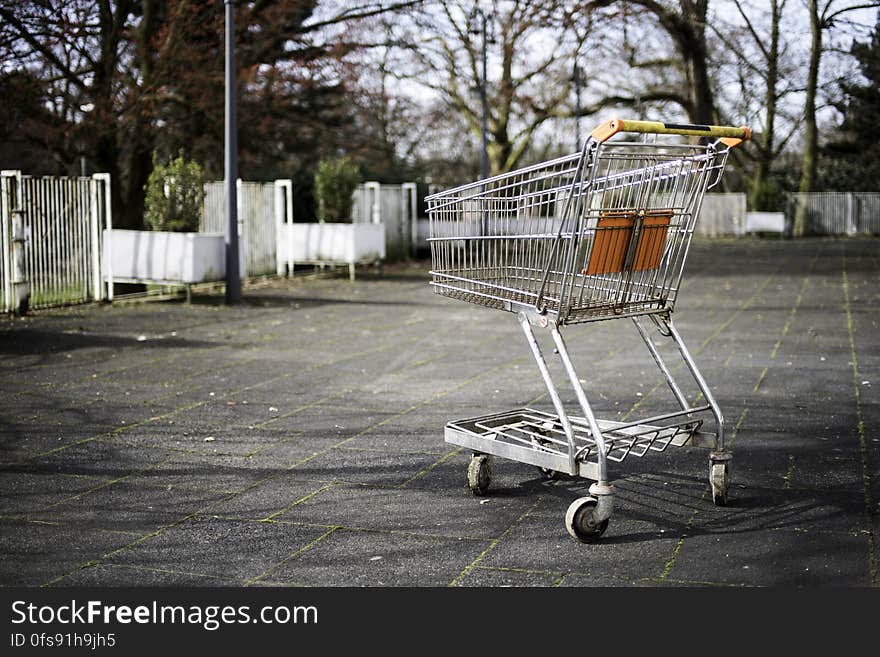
point(836, 213)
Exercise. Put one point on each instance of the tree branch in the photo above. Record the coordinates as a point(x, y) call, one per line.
point(828, 18)
point(751, 29)
point(354, 14)
point(23, 32)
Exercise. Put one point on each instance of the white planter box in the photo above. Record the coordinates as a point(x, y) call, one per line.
point(765, 222)
point(333, 244)
point(147, 256)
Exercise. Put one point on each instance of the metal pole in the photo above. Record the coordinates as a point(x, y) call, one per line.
point(484, 164)
point(233, 278)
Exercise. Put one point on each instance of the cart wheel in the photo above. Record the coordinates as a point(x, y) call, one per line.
point(479, 474)
point(580, 520)
point(548, 473)
point(719, 479)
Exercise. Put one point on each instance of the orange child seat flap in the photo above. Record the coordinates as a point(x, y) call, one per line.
point(613, 234)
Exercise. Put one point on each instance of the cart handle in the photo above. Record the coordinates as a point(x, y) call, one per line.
point(728, 135)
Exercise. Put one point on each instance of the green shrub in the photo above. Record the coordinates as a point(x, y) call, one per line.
point(335, 182)
point(175, 194)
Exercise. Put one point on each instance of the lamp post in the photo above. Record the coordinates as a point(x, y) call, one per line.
point(233, 278)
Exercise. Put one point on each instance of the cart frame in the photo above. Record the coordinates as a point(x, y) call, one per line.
point(597, 235)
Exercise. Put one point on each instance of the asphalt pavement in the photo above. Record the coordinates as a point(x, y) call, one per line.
point(296, 439)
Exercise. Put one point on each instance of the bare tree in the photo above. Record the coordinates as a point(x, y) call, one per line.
point(761, 75)
point(823, 15)
point(685, 24)
point(530, 48)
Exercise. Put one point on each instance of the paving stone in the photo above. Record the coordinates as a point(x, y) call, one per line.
point(26, 492)
point(104, 575)
point(236, 549)
point(628, 546)
point(35, 554)
point(126, 507)
point(484, 577)
point(360, 558)
point(365, 466)
point(423, 512)
point(780, 558)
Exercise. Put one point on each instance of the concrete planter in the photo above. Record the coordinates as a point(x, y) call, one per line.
point(765, 222)
point(330, 244)
point(146, 256)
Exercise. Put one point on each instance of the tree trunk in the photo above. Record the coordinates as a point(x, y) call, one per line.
point(687, 29)
point(762, 192)
point(138, 157)
point(808, 166)
point(693, 49)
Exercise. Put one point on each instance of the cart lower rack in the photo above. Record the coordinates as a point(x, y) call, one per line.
point(598, 235)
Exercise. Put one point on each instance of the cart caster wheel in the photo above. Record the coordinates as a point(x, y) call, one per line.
point(550, 475)
point(719, 479)
point(547, 473)
point(479, 474)
point(580, 520)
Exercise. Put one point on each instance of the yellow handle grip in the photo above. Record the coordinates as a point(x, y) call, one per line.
point(730, 135)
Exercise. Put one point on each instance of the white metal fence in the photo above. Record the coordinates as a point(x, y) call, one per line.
point(260, 206)
point(392, 205)
point(51, 239)
point(51, 230)
point(51, 227)
point(837, 213)
point(722, 214)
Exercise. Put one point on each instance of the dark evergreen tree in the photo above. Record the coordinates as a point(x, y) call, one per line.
point(851, 159)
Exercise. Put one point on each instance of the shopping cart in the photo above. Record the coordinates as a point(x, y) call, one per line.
point(597, 235)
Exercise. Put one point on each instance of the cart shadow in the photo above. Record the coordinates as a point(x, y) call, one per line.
point(672, 504)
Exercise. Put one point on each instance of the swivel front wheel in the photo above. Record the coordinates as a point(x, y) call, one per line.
point(581, 520)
